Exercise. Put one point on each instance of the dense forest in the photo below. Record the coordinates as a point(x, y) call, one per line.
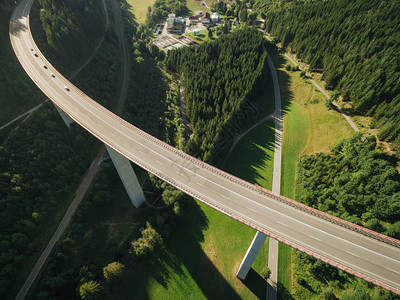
point(354, 182)
point(17, 93)
point(356, 45)
point(220, 79)
point(357, 183)
point(102, 230)
point(41, 162)
point(38, 169)
point(71, 26)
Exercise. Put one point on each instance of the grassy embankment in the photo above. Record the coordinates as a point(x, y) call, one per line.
point(309, 127)
point(202, 37)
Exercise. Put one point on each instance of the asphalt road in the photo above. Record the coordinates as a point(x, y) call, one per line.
point(89, 176)
point(356, 253)
point(273, 246)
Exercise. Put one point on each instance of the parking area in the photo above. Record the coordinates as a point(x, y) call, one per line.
point(168, 42)
point(187, 41)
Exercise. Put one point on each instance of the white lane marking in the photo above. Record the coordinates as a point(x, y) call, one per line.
point(224, 188)
point(159, 162)
point(330, 256)
point(298, 242)
point(252, 209)
point(313, 237)
point(248, 199)
point(351, 253)
point(224, 196)
point(283, 224)
point(297, 220)
point(200, 184)
point(393, 271)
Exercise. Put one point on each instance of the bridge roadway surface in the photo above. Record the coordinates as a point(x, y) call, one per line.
point(366, 254)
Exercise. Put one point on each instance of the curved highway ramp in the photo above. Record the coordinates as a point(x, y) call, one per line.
point(359, 251)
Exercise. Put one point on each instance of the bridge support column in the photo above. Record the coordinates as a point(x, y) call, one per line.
point(67, 119)
point(128, 177)
point(251, 255)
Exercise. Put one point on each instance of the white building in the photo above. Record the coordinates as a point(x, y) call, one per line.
point(214, 17)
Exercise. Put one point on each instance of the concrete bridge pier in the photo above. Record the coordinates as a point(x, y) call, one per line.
point(128, 177)
point(251, 255)
point(66, 118)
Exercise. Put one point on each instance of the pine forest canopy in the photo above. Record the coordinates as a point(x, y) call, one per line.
point(355, 43)
point(71, 25)
point(220, 78)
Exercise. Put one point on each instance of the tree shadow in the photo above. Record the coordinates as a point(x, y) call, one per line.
point(254, 148)
point(126, 11)
point(16, 27)
point(186, 246)
point(305, 284)
point(182, 253)
point(283, 293)
point(284, 79)
point(256, 284)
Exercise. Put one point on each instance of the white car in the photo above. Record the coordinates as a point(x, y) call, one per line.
point(52, 75)
point(66, 88)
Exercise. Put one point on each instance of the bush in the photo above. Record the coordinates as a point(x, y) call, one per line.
point(329, 103)
point(149, 241)
point(266, 272)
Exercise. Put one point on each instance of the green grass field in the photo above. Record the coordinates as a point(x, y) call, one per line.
point(193, 6)
point(202, 38)
point(295, 121)
point(202, 257)
point(309, 127)
point(139, 8)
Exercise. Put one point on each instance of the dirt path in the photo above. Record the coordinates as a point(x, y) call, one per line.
point(351, 123)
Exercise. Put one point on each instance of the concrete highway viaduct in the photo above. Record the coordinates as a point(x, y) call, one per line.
point(352, 248)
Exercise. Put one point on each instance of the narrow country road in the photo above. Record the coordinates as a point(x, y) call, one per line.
point(272, 287)
point(276, 180)
point(323, 236)
point(87, 180)
point(350, 121)
point(80, 192)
